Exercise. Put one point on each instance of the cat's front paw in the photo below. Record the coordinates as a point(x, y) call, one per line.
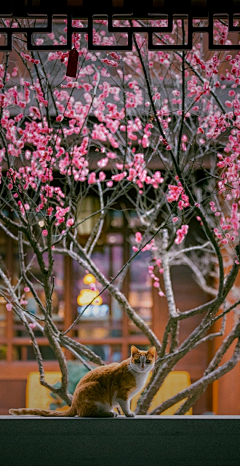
point(130, 414)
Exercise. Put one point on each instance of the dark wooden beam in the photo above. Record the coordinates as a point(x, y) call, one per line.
point(22, 8)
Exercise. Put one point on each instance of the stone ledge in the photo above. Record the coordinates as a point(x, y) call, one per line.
point(139, 441)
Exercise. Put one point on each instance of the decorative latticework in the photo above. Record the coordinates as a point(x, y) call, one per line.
point(126, 10)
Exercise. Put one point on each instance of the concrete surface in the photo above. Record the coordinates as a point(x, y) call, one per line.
point(140, 441)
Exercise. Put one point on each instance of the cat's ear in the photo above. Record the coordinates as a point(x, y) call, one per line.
point(134, 350)
point(152, 350)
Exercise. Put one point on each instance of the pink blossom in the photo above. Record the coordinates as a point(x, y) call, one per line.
point(110, 62)
point(33, 325)
point(9, 307)
point(119, 176)
point(35, 113)
point(103, 162)
point(92, 178)
point(26, 289)
point(59, 118)
point(111, 155)
point(60, 214)
point(39, 41)
point(49, 211)
point(69, 222)
point(145, 141)
point(181, 233)
point(138, 237)
point(102, 176)
point(224, 241)
point(174, 192)
point(23, 301)
point(157, 177)
point(44, 232)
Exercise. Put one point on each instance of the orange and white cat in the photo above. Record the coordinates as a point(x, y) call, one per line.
point(106, 387)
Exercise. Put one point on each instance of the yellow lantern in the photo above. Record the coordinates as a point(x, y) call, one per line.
point(86, 296)
point(88, 279)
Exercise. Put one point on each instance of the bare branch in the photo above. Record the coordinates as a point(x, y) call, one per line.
point(80, 349)
point(77, 356)
point(26, 279)
point(11, 235)
point(95, 235)
point(54, 344)
point(166, 276)
point(120, 298)
point(197, 388)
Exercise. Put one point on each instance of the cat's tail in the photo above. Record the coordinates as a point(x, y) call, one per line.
point(71, 412)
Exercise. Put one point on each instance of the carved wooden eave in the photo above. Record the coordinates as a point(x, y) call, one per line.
point(121, 9)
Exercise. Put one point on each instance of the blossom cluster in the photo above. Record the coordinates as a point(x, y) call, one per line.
point(156, 280)
point(51, 131)
point(181, 233)
point(176, 193)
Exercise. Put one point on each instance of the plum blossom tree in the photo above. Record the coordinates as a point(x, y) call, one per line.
point(158, 128)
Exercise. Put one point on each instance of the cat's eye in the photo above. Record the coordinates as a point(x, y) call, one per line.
point(147, 361)
point(137, 361)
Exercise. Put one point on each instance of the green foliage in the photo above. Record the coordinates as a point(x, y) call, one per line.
point(76, 371)
point(3, 352)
